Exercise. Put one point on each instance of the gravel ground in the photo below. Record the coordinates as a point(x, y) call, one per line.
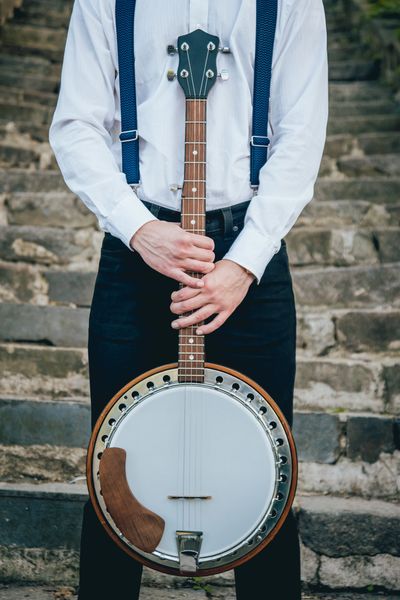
point(14, 592)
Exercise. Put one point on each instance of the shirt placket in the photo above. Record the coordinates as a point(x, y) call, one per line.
point(198, 14)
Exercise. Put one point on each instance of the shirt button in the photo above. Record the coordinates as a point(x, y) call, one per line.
point(235, 228)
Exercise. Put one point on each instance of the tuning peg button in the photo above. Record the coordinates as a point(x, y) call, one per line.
point(224, 49)
point(224, 75)
point(171, 75)
point(171, 49)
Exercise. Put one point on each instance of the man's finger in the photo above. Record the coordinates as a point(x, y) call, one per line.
point(213, 325)
point(202, 241)
point(200, 315)
point(182, 277)
point(179, 308)
point(184, 293)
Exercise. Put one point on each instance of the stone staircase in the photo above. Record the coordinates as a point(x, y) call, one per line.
point(345, 255)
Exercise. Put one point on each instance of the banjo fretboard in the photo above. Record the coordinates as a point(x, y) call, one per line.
point(193, 216)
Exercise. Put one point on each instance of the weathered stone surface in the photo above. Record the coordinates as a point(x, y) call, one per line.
point(382, 570)
point(32, 464)
point(315, 332)
point(387, 241)
point(339, 247)
point(391, 375)
point(356, 90)
point(354, 286)
point(48, 245)
point(338, 383)
point(22, 283)
point(317, 436)
point(380, 479)
point(379, 190)
point(369, 330)
point(344, 213)
point(58, 209)
point(20, 180)
point(39, 565)
point(71, 287)
point(348, 70)
point(368, 436)
point(43, 372)
point(387, 165)
point(26, 422)
point(364, 123)
point(349, 526)
point(59, 326)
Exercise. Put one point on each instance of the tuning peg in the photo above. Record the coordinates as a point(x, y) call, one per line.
point(224, 75)
point(171, 75)
point(175, 187)
point(171, 49)
point(224, 49)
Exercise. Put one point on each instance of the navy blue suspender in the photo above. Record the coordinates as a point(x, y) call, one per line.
point(265, 34)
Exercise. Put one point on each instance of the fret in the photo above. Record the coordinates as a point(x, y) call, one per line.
point(188, 122)
point(195, 162)
point(195, 142)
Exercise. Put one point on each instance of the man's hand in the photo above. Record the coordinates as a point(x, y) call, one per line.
point(171, 250)
point(223, 291)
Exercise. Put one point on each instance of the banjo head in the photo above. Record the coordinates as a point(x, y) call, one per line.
point(216, 457)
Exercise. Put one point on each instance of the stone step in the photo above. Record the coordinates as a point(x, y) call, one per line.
point(17, 156)
point(48, 210)
point(319, 332)
point(33, 82)
point(27, 39)
point(49, 592)
point(330, 287)
point(46, 442)
point(307, 245)
point(49, 245)
point(367, 382)
point(36, 114)
point(339, 109)
point(353, 70)
point(26, 95)
point(347, 542)
point(347, 213)
point(364, 124)
point(368, 143)
point(20, 180)
point(358, 91)
point(386, 165)
point(28, 65)
point(44, 15)
point(375, 189)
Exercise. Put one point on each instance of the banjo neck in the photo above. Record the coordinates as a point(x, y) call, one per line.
point(191, 355)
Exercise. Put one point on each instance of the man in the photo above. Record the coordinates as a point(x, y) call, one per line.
point(245, 296)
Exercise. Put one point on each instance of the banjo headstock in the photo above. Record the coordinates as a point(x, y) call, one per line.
point(197, 70)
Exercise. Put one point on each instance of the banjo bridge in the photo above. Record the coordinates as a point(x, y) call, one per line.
point(189, 497)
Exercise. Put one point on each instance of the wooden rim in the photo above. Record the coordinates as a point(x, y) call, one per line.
point(139, 557)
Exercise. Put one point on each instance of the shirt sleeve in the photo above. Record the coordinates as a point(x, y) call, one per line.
point(80, 130)
point(297, 123)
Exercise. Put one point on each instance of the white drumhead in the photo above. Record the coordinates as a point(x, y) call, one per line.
point(193, 440)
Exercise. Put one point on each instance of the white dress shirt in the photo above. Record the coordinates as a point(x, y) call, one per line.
point(86, 123)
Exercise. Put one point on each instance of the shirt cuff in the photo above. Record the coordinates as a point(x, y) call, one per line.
point(127, 216)
point(253, 250)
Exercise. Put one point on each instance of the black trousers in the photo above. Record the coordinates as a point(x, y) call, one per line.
point(130, 332)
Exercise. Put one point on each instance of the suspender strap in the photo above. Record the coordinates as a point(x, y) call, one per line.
point(265, 35)
point(124, 17)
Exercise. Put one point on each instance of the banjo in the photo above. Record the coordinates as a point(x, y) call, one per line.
point(192, 467)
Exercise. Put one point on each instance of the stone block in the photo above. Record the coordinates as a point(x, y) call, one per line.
point(21, 180)
point(43, 372)
point(48, 210)
point(386, 165)
point(357, 188)
point(336, 526)
point(353, 286)
point(22, 283)
point(391, 376)
point(26, 422)
point(368, 436)
point(58, 326)
point(71, 286)
point(369, 331)
point(361, 572)
point(315, 332)
point(317, 436)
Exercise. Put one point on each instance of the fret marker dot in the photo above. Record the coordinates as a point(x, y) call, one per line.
point(191, 340)
point(191, 356)
point(193, 221)
point(195, 152)
point(194, 189)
